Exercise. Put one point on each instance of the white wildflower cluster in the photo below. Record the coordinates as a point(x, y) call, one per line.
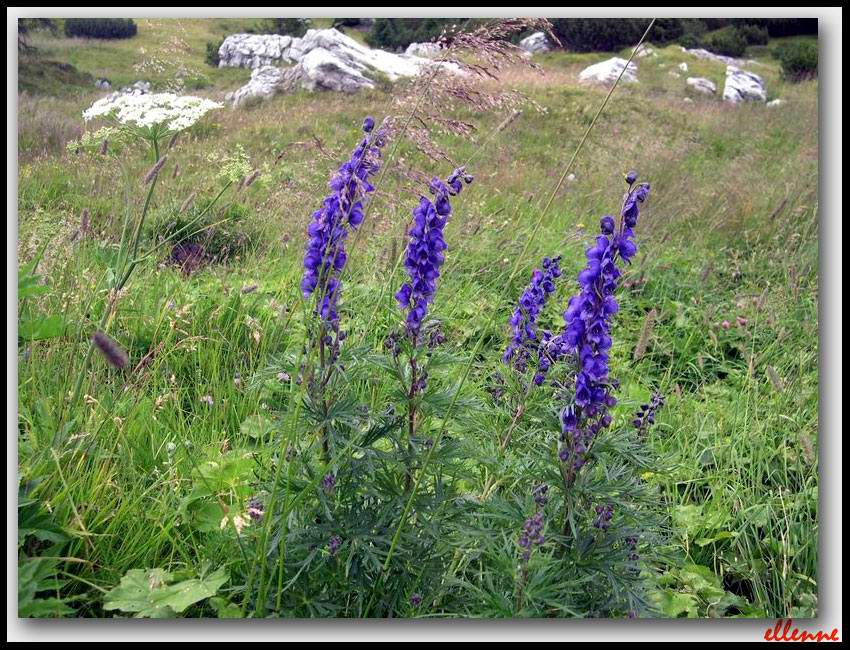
point(174, 112)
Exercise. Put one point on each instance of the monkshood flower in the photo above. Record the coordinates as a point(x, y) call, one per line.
point(167, 111)
point(333, 544)
point(525, 340)
point(645, 416)
point(341, 212)
point(531, 535)
point(256, 509)
point(587, 321)
point(631, 544)
point(328, 483)
point(604, 514)
point(540, 493)
point(425, 250)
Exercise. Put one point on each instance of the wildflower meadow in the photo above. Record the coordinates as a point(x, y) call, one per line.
point(487, 341)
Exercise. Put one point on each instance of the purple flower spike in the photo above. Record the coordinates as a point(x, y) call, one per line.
point(425, 250)
point(587, 328)
point(341, 212)
point(525, 340)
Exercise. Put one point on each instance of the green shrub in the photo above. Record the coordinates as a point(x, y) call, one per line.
point(594, 34)
point(346, 22)
point(666, 30)
point(398, 33)
point(295, 27)
point(727, 41)
point(799, 59)
point(211, 57)
point(608, 34)
point(791, 26)
point(100, 27)
point(753, 34)
point(690, 41)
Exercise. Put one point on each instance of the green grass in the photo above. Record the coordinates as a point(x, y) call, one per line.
point(729, 231)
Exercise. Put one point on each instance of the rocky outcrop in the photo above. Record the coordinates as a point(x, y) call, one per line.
point(255, 50)
point(536, 43)
point(700, 53)
point(701, 85)
point(258, 50)
point(423, 50)
point(742, 86)
point(324, 59)
point(606, 72)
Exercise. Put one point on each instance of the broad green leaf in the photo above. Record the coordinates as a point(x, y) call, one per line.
point(674, 604)
point(37, 329)
point(145, 592)
point(257, 427)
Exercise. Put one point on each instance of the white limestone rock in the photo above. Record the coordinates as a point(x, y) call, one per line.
point(324, 59)
point(606, 72)
point(743, 86)
point(423, 50)
point(536, 43)
point(701, 53)
point(701, 85)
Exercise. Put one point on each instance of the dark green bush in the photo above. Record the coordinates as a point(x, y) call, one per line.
point(791, 26)
point(398, 33)
point(727, 41)
point(753, 34)
point(608, 34)
point(100, 27)
point(295, 27)
point(666, 30)
point(346, 22)
point(799, 59)
point(211, 57)
point(690, 41)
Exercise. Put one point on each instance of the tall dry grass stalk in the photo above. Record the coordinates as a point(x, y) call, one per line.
point(645, 334)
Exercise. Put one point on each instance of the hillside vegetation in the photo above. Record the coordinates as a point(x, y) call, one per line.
point(139, 483)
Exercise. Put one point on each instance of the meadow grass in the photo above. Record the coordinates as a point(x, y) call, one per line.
point(729, 235)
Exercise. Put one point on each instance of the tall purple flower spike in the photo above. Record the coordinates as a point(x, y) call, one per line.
point(425, 250)
point(588, 318)
point(525, 340)
point(341, 211)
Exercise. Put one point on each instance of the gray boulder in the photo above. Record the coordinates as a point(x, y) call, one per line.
point(324, 59)
point(701, 53)
point(606, 72)
point(424, 50)
point(743, 86)
point(701, 85)
point(536, 43)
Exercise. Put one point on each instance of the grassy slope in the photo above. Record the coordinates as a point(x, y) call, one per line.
point(731, 230)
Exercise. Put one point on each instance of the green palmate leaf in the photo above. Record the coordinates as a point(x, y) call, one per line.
point(225, 609)
point(205, 516)
point(38, 329)
point(257, 427)
point(674, 604)
point(147, 594)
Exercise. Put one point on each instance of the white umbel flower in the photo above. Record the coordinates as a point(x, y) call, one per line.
point(174, 112)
